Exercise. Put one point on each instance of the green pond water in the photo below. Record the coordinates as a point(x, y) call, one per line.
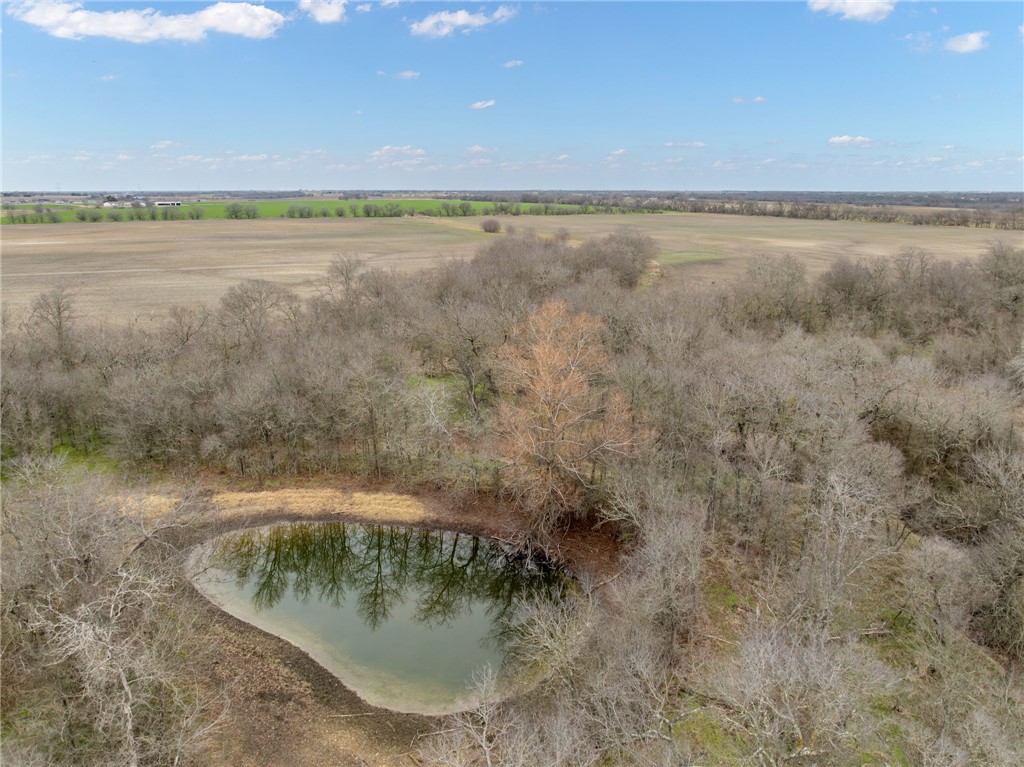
point(406, 618)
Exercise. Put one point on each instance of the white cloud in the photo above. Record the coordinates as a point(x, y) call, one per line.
point(31, 159)
point(364, 8)
point(324, 11)
point(755, 100)
point(124, 157)
point(966, 43)
point(477, 149)
point(854, 10)
point(613, 160)
point(108, 78)
point(562, 158)
point(443, 23)
point(687, 144)
point(389, 3)
point(70, 21)
point(408, 74)
point(410, 164)
point(512, 64)
point(251, 157)
point(387, 153)
point(482, 104)
point(920, 42)
point(165, 144)
point(861, 141)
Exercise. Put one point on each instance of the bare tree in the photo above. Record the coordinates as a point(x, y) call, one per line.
point(662, 587)
point(794, 694)
point(1015, 370)
point(845, 530)
point(91, 635)
point(247, 314)
point(344, 271)
point(53, 313)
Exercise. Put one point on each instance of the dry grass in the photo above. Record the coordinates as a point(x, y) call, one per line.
point(314, 502)
point(127, 269)
point(151, 506)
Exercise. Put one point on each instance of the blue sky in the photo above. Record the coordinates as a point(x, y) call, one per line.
point(324, 94)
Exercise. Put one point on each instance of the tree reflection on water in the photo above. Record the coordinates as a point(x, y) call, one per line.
point(381, 567)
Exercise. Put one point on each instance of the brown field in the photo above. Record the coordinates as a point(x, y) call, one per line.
point(120, 270)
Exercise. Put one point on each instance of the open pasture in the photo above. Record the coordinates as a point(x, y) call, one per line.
point(318, 207)
point(126, 269)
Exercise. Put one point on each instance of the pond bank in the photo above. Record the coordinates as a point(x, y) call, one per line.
point(283, 707)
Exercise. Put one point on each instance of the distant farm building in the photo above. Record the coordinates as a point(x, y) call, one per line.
point(167, 204)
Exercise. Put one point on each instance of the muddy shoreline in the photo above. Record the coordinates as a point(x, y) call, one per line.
point(281, 706)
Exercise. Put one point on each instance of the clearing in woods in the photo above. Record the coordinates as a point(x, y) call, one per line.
point(127, 269)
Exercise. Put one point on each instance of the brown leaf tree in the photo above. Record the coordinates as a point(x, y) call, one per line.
point(559, 423)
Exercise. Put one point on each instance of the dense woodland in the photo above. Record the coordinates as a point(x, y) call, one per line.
point(818, 485)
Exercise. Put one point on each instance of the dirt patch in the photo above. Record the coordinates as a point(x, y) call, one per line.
point(284, 708)
point(140, 270)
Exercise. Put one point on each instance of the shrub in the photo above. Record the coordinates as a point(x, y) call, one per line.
point(491, 225)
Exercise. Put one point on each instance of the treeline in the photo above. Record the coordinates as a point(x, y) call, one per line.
point(971, 217)
point(40, 215)
point(1012, 219)
point(981, 210)
point(819, 483)
point(236, 210)
point(995, 211)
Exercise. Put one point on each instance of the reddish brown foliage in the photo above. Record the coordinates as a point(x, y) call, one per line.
point(558, 424)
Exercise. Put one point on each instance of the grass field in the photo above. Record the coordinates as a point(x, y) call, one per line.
point(126, 269)
point(272, 208)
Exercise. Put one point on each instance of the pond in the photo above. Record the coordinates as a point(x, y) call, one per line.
point(406, 618)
